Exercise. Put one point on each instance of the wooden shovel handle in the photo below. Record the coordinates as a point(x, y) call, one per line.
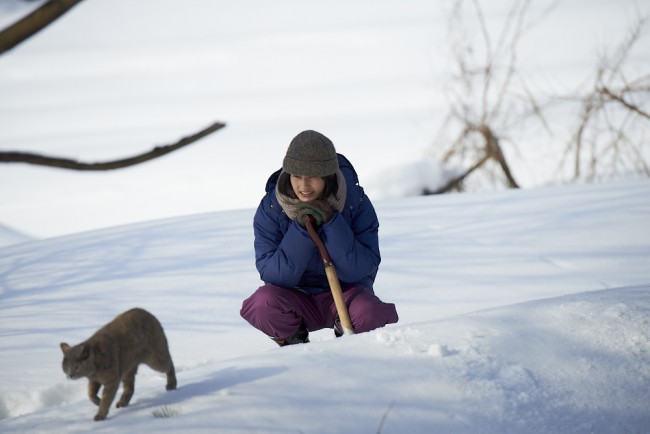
point(332, 278)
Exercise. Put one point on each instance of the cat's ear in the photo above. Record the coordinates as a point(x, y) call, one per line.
point(64, 347)
point(85, 353)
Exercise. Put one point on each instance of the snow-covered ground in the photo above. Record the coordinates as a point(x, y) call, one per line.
point(520, 311)
point(9, 236)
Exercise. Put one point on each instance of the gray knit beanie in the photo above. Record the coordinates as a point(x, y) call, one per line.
point(311, 154)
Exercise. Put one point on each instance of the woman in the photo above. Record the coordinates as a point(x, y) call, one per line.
point(295, 299)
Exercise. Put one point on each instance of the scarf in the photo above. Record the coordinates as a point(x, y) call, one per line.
point(336, 201)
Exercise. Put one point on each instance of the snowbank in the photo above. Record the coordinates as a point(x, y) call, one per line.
point(520, 311)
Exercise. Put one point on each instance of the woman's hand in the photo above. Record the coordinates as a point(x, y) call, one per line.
point(320, 210)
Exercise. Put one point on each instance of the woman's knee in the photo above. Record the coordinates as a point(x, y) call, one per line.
point(368, 312)
point(260, 299)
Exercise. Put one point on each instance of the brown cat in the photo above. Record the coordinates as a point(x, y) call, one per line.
point(114, 353)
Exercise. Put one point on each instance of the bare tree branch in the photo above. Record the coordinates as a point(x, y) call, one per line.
point(604, 90)
point(608, 139)
point(30, 25)
point(456, 183)
point(33, 23)
point(484, 101)
point(493, 150)
point(64, 163)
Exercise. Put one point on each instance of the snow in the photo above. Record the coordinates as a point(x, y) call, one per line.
point(113, 79)
point(520, 311)
point(9, 236)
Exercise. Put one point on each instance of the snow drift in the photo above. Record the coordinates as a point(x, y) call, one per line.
point(520, 311)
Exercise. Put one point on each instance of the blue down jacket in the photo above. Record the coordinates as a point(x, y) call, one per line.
point(285, 255)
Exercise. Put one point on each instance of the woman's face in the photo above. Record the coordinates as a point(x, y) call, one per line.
point(307, 188)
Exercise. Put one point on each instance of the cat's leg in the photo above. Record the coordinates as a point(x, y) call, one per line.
point(128, 384)
point(108, 395)
point(163, 363)
point(171, 377)
point(93, 388)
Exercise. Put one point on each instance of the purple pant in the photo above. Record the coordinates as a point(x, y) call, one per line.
point(279, 312)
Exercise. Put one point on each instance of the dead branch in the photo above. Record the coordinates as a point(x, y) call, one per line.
point(484, 99)
point(619, 98)
point(33, 23)
point(30, 25)
point(612, 111)
point(493, 150)
point(455, 184)
point(64, 163)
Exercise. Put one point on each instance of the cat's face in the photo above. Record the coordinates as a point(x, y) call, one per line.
point(77, 361)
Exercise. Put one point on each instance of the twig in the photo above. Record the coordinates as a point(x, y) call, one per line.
point(384, 416)
point(604, 90)
point(64, 163)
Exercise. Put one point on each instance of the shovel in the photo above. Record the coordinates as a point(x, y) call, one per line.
point(332, 278)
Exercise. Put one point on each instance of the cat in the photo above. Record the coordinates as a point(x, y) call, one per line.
point(114, 353)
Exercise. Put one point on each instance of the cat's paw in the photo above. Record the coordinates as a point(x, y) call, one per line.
point(99, 417)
